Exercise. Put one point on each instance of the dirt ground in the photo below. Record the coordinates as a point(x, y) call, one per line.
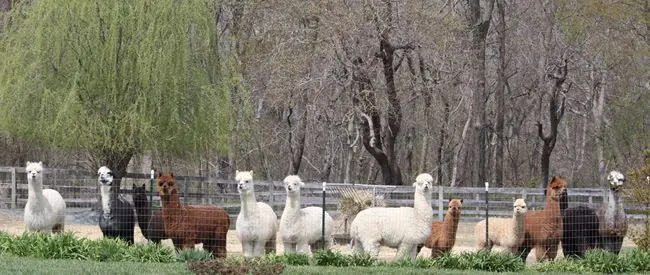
point(464, 238)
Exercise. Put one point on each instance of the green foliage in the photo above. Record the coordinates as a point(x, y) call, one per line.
point(638, 191)
point(115, 76)
point(447, 261)
point(638, 260)
point(194, 255)
point(67, 246)
point(604, 262)
point(491, 261)
point(561, 265)
point(332, 258)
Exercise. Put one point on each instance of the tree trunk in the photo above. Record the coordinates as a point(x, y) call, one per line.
point(500, 93)
point(477, 153)
point(557, 91)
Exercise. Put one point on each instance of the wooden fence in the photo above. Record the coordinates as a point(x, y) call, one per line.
point(80, 189)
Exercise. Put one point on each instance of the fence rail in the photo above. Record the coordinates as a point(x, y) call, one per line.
point(79, 189)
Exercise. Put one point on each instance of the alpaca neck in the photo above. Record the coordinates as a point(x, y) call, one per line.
point(292, 206)
point(248, 204)
point(614, 206)
point(422, 205)
point(518, 221)
point(108, 195)
point(35, 187)
point(172, 204)
point(552, 208)
point(450, 225)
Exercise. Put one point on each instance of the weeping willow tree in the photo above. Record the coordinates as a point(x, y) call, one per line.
point(114, 78)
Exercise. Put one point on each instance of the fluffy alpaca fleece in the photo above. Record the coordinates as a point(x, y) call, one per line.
point(402, 228)
point(301, 229)
point(45, 208)
point(257, 223)
point(443, 233)
point(613, 223)
point(189, 225)
point(580, 230)
point(117, 219)
point(149, 220)
point(544, 228)
point(505, 234)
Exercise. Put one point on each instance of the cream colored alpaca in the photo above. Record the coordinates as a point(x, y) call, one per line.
point(506, 234)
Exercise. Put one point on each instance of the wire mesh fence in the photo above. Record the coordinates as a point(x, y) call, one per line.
point(584, 211)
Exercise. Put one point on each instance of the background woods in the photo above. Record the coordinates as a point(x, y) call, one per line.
point(340, 91)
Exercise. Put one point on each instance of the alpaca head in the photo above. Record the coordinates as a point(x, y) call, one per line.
point(556, 188)
point(455, 206)
point(166, 184)
point(34, 169)
point(244, 181)
point(519, 207)
point(616, 180)
point(292, 184)
point(424, 183)
point(105, 175)
point(139, 193)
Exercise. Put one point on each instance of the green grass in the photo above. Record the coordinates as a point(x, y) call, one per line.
point(18, 265)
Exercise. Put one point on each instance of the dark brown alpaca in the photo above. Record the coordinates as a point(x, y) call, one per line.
point(544, 228)
point(149, 220)
point(189, 225)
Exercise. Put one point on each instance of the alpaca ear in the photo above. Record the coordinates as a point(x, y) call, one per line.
point(461, 201)
point(236, 172)
point(27, 164)
point(40, 163)
point(302, 184)
point(160, 174)
point(171, 175)
point(251, 171)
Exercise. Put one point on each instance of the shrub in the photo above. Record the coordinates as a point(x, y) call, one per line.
point(562, 265)
point(637, 260)
point(332, 258)
point(193, 255)
point(235, 266)
point(151, 253)
point(447, 261)
point(639, 192)
point(362, 259)
point(106, 250)
point(491, 261)
point(287, 258)
point(605, 262)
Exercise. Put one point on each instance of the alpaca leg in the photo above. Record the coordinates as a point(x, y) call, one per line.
point(289, 247)
point(258, 248)
point(371, 247)
point(270, 246)
point(357, 247)
point(617, 243)
point(57, 228)
point(551, 251)
point(247, 248)
point(436, 252)
point(303, 247)
point(541, 252)
point(406, 251)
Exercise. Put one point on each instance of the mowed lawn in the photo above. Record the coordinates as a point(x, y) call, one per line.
point(16, 265)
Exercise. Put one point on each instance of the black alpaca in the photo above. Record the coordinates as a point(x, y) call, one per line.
point(117, 219)
point(580, 229)
point(150, 223)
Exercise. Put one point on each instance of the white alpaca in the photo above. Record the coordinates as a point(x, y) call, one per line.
point(257, 224)
point(402, 228)
point(301, 229)
point(45, 209)
point(506, 234)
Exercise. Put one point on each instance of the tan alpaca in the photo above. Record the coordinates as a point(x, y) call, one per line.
point(443, 233)
point(544, 228)
point(505, 234)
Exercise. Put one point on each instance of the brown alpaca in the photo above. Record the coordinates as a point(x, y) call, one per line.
point(189, 225)
point(544, 228)
point(443, 233)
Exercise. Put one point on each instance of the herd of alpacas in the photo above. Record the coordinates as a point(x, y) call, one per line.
point(407, 229)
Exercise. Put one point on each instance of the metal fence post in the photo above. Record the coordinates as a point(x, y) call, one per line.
point(14, 188)
point(487, 238)
point(153, 173)
point(440, 205)
point(323, 216)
